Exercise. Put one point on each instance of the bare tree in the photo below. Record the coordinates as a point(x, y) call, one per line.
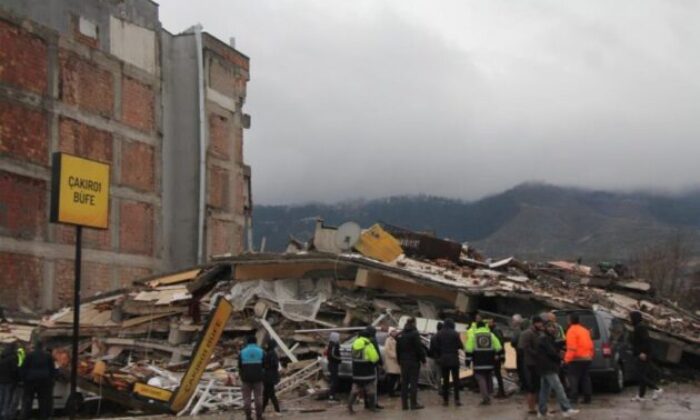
point(664, 264)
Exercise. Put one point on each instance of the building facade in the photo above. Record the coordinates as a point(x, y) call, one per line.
point(99, 79)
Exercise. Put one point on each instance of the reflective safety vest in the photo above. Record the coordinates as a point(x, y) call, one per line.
point(364, 357)
point(481, 348)
point(21, 355)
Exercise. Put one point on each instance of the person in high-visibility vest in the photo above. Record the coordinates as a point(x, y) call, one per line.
point(578, 358)
point(364, 372)
point(482, 349)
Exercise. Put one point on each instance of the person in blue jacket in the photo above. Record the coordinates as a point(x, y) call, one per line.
point(250, 370)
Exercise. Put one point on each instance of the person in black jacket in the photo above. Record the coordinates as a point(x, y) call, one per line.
point(9, 377)
point(547, 363)
point(271, 366)
point(334, 360)
point(38, 374)
point(498, 367)
point(641, 349)
point(446, 348)
point(432, 354)
point(411, 353)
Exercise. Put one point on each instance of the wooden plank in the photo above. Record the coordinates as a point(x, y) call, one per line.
point(279, 341)
point(174, 278)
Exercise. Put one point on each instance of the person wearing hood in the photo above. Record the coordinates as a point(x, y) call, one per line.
point(411, 353)
point(364, 372)
point(641, 349)
point(334, 360)
point(446, 351)
point(9, 378)
point(250, 370)
point(271, 375)
point(391, 362)
point(373, 338)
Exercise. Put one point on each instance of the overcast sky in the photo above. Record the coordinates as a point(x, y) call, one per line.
point(369, 98)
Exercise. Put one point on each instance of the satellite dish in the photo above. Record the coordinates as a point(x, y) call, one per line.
point(347, 236)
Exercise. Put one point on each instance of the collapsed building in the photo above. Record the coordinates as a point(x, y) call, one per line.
point(139, 343)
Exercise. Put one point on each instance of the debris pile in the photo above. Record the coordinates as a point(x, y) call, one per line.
point(138, 344)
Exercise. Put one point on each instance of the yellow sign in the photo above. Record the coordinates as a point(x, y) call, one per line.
point(152, 392)
point(201, 355)
point(379, 244)
point(79, 191)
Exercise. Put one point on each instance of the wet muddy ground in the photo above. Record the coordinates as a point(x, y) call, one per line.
point(680, 401)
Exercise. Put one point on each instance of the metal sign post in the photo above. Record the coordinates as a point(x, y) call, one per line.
point(73, 399)
point(79, 197)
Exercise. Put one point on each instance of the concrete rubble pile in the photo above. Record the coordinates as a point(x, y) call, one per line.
point(149, 333)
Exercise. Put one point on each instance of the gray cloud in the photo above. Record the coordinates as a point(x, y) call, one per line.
point(374, 98)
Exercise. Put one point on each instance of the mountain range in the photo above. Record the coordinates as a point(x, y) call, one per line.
point(531, 221)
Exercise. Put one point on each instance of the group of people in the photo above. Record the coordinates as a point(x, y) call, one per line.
point(25, 376)
point(484, 352)
point(405, 352)
point(550, 359)
point(259, 372)
point(541, 350)
point(403, 355)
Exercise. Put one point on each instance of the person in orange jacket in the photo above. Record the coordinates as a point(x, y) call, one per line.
point(578, 358)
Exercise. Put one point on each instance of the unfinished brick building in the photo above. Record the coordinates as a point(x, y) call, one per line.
point(103, 80)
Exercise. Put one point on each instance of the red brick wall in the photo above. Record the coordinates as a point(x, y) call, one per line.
point(23, 212)
point(238, 145)
point(127, 275)
point(138, 165)
point(138, 102)
point(92, 238)
point(23, 59)
point(84, 140)
point(136, 227)
point(218, 187)
point(85, 84)
point(94, 278)
point(240, 191)
point(219, 136)
point(21, 278)
point(221, 233)
point(23, 132)
point(222, 78)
